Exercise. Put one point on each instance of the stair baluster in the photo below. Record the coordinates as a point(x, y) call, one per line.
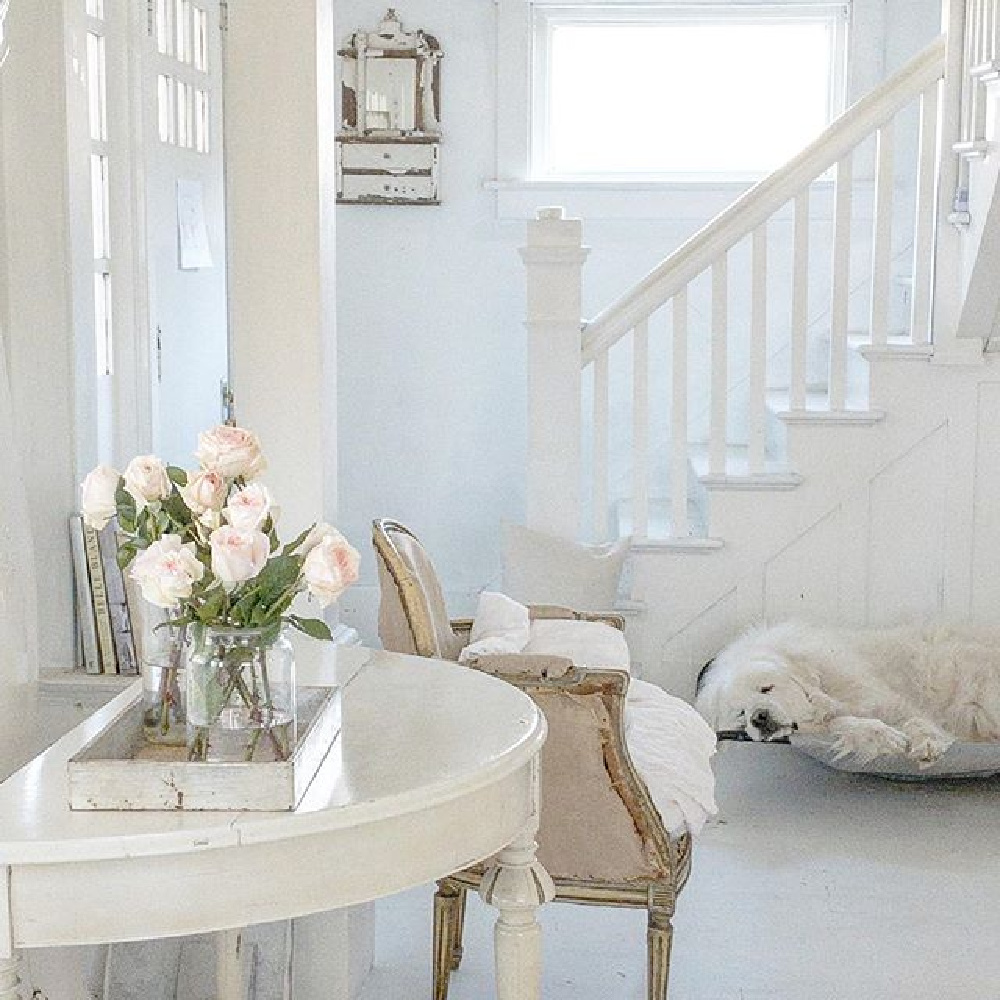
point(839, 295)
point(798, 346)
point(640, 429)
point(679, 417)
point(882, 236)
point(923, 240)
point(601, 472)
point(757, 416)
point(718, 434)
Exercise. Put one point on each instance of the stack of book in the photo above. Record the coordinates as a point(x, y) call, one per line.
point(107, 640)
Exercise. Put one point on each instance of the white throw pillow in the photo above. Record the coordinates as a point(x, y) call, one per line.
point(542, 569)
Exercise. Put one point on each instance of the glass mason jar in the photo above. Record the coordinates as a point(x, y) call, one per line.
point(240, 694)
point(163, 685)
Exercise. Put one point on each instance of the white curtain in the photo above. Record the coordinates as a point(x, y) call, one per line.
point(18, 602)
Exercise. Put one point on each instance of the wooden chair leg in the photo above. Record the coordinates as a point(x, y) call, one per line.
point(457, 928)
point(446, 906)
point(659, 937)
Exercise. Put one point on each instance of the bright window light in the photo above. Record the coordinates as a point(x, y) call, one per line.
point(687, 97)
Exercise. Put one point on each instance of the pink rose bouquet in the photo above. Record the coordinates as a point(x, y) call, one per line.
point(203, 542)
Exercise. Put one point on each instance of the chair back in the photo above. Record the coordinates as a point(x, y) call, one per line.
point(412, 615)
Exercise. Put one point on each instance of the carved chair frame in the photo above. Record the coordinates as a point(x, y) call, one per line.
point(668, 860)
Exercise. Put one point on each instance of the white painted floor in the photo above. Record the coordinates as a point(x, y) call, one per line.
point(812, 885)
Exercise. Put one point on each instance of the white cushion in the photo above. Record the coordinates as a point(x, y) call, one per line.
point(543, 569)
point(587, 644)
point(501, 626)
point(671, 747)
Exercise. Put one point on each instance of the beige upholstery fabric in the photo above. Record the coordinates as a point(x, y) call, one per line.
point(409, 587)
point(587, 832)
point(393, 626)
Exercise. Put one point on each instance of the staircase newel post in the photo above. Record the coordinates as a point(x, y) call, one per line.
point(951, 222)
point(554, 258)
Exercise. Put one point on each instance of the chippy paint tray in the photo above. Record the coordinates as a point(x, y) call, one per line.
point(118, 769)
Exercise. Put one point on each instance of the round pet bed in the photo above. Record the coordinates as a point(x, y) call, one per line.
point(961, 760)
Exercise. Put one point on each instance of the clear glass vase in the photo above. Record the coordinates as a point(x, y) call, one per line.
point(163, 686)
point(240, 694)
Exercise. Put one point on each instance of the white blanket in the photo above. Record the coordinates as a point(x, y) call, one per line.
point(670, 744)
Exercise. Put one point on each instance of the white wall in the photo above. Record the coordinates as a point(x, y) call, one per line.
point(36, 320)
point(430, 311)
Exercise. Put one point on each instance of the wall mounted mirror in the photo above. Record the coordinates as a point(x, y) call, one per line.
point(390, 116)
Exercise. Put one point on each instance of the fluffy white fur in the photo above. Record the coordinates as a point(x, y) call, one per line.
point(878, 691)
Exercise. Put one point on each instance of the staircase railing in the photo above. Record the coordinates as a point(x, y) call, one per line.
point(554, 255)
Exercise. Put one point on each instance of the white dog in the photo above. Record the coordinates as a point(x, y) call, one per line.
point(878, 691)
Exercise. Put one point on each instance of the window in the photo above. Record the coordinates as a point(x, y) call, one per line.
point(667, 91)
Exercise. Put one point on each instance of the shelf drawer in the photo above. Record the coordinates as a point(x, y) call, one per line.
point(388, 187)
point(388, 156)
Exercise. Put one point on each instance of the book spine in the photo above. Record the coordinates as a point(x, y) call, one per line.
point(114, 585)
point(86, 625)
point(99, 595)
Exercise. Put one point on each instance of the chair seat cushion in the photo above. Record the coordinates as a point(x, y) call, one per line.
point(671, 747)
point(587, 644)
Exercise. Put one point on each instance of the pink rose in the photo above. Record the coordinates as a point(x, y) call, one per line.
point(231, 452)
point(97, 496)
point(330, 568)
point(237, 555)
point(204, 491)
point(167, 571)
point(146, 479)
point(249, 507)
point(318, 532)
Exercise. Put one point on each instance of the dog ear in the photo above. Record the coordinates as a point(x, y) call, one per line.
point(702, 675)
point(707, 696)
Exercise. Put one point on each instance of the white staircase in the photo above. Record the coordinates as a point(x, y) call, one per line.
point(776, 447)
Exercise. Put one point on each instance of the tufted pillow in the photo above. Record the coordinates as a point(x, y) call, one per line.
point(543, 569)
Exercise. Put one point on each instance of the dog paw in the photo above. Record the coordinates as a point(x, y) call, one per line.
point(866, 739)
point(928, 742)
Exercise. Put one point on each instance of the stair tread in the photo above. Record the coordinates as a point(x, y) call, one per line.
point(817, 410)
point(738, 466)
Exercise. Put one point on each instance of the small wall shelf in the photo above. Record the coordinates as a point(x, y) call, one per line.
point(387, 149)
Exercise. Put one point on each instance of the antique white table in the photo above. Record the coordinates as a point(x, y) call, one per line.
point(437, 767)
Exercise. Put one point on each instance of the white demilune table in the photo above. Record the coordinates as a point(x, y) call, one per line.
point(436, 767)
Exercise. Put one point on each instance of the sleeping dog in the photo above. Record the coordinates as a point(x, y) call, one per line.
point(906, 690)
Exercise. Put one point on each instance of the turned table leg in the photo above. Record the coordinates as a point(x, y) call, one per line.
point(9, 962)
point(517, 885)
point(9, 979)
point(228, 965)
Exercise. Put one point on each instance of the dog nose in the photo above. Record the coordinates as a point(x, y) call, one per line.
point(761, 719)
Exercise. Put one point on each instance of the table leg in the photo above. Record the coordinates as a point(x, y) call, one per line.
point(9, 960)
point(228, 965)
point(517, 885)
point(9, 979)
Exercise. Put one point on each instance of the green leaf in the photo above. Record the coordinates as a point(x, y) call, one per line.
point(125, 503)
point(209, 611)
point(176, 509)
point(312, 627)
point(126, 553)
point(279, 573)
point(295, 543)
point(177, 475)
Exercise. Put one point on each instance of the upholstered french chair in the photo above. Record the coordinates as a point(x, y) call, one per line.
point(601, 837)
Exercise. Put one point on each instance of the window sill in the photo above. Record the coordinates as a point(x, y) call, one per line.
point(680, 200)
point(683, 201)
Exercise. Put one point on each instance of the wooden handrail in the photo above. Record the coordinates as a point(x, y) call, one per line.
point(762, 200)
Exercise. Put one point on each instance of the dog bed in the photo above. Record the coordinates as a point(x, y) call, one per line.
point(960, 760)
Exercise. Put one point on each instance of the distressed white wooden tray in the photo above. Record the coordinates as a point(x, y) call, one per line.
point(117, 769)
